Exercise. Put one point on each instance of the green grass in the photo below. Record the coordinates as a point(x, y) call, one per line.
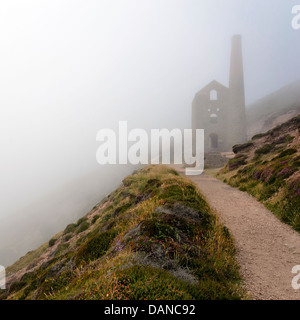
point(270, 176)
point(96, 247)
point(155, 237)
point(82, 227)
point(24, 261)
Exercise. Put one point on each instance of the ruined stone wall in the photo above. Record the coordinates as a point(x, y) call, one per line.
point(219, 110)
point(210, 112)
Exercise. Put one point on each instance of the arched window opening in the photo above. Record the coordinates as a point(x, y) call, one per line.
point(213, 95)
point(213, 118)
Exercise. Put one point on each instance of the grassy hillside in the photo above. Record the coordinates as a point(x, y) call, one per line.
point(155, 237)
point(273, 109)
point(268, 168)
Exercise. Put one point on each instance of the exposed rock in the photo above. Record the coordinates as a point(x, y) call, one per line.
point(181, 211)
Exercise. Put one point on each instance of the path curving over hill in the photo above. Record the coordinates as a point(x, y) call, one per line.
point(267, 249)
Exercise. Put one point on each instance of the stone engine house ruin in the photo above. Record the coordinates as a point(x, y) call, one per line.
point(219, 110)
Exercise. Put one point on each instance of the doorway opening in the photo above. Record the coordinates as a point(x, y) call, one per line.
point(214, 141)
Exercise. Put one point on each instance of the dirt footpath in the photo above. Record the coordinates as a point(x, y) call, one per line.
point(267, 249)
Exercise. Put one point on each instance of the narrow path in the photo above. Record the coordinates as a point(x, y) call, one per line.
point(267, 249)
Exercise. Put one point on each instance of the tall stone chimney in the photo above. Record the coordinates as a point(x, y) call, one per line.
point(238, 132)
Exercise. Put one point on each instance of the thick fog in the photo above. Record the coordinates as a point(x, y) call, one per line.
point(69, 68)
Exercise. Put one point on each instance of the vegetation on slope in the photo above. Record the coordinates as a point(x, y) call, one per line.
point(267, 167)
point(155, 237)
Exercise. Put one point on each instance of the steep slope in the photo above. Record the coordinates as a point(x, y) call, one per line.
point(35, 223)
point(267, 167)
point(274, 109)
point(155, 229)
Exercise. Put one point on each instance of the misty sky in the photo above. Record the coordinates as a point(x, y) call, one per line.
point(69, 68)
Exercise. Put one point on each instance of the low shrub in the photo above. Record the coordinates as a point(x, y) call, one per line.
point(52, 242)
point(239, 147)
point(157, 228)
point(70, 228)
point(82, 227)
point(67, 237)
point(236, 162)
point(17, 285)
point(267, 148)
point(259, 135)
point(287, 152)
point(96, 247)
point(95, 218)
point(61, 248)
point(80, 221)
